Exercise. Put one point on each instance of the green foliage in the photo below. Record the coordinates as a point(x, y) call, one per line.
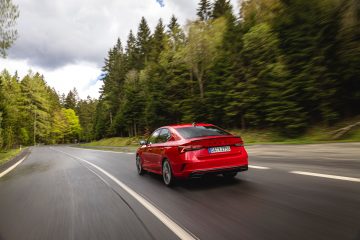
point(1, 132)
point(86, 112)
point(71, 99)
point(143, 44)
point(24, 136)
point(8, 16)
point(6, 155)
point(115, 142)
point(282, 64)
point(221, 8)
point(30, 113)
point(204, 38)
point(72, 128)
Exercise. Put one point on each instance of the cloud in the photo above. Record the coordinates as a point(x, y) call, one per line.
point(59, 32)
point(67, 38)
point(84, 76)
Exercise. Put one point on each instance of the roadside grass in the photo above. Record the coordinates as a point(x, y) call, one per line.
point(315, 134)
point(6, 155)
point(114, 142)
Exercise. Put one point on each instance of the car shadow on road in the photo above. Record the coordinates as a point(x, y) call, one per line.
point(210, 182)
point(207, 182)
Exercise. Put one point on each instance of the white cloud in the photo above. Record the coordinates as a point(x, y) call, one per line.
point(82, 75)
point(68, 40)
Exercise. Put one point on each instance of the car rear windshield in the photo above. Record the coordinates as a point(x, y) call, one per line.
point(200, 131)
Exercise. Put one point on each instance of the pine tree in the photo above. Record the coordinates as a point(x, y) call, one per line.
point(175, 34)
point(10, 108)
point(158, 41)
point(175, 73)
point(221, 8)
point(143, 43)
point(204, 10)
point(36, 108)
point(223, 77)
point(115, 69)
point(70, 100)
point(87, 109)
point(310, 48)
point(347, 56)
point(131, 51)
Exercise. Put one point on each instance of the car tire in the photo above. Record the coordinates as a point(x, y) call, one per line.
point(167, 174)
point(139, 167)
point(229, 175)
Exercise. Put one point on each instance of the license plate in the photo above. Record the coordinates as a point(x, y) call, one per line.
point(219, 149)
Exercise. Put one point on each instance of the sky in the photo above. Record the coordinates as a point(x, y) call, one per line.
point(67, 40)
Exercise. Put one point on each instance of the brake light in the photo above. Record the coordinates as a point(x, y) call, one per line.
point(183, 149)
point(239, 144)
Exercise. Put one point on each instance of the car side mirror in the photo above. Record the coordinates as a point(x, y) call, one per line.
point(142, 142)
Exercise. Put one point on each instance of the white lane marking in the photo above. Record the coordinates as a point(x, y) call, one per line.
point(97, 150)
point(327, 176)
point(174, 227)
point(11, 168)
point(340, 158)
point(130, 153)
point(258, 167)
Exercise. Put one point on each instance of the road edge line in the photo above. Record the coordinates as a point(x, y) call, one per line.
point(12, 167)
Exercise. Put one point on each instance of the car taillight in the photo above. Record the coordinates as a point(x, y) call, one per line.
point(183, 149)
point(239, 144)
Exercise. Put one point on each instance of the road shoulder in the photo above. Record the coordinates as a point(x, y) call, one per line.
point(24, 153)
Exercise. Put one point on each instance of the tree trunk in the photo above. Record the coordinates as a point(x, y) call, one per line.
point(191, 82)
point(135, 132)
point(201, 84)
point(243, 126)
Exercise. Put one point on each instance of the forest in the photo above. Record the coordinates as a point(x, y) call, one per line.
point(33, 113)
point(277, 64)
point(273, 64)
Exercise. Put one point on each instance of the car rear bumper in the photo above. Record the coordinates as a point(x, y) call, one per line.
point(196, 166)
point(201, 173)
point(198, 169)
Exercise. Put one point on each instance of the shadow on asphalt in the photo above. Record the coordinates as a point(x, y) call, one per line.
point(207, 182)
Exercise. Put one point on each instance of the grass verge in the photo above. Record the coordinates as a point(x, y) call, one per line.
point(6, 155)
point(315, 134)
point(114, 142)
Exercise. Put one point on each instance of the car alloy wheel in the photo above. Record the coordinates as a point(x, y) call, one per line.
point(139, 167)
point(167, 173)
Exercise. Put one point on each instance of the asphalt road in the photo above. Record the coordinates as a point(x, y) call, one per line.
point(70, 193)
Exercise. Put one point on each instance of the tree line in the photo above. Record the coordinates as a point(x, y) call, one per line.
point(31, 112)
point(277, 64)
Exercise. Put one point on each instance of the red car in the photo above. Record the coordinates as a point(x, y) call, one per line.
point(190, 151)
